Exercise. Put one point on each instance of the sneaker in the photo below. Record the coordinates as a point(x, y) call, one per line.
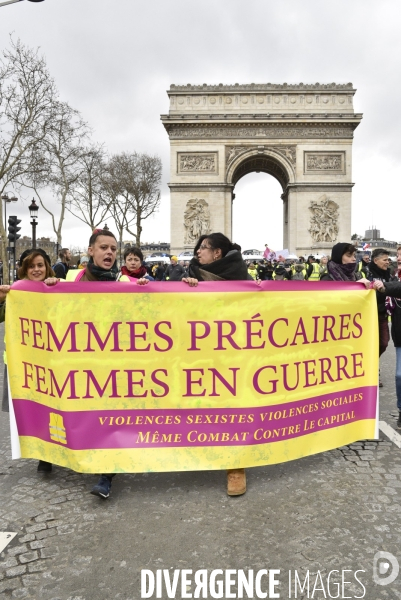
point(44, 467)
point(399, 421)
point(102, 488)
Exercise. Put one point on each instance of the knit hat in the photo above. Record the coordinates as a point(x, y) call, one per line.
point(338, 251)
point(174, 258)
point(39, 250)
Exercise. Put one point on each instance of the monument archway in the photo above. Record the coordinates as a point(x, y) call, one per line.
point(300, 134)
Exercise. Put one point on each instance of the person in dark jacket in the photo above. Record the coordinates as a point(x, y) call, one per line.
point(269, 270)
point(217, 259)
point(261, 269)
point(159, 273)
point(280, 272)
point(379, 271)
point(62, 266)
point(393, 290)
point(174, 271)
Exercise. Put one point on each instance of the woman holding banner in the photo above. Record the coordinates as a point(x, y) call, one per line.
point(102, 266)
point(35, 266)
point(217, 259)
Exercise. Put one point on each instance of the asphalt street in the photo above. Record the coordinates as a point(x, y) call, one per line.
point(329, 512)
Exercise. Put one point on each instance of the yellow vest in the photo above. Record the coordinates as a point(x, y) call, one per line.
point(315, 275)
point(73, 275)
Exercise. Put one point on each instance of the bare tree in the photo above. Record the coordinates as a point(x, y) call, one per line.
point(135, 181)
point(27, 99)
point(118, 197)
point(62, 152)
point(89, 201)
point(144, 186)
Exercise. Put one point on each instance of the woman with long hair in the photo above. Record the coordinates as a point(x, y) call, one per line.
point(35, 266)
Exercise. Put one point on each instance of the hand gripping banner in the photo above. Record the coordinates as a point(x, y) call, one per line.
point(116, 377)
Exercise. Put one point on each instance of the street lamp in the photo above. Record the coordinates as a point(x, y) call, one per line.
point(105, 228)
point(33, 211)
point(13, 2)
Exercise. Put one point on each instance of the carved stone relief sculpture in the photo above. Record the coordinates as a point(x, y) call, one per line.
point(196, 220)
point(190, 163)
point(323, 161)
point(331, 162)
point(324, 220)
point(288, 151)
point(233, 151)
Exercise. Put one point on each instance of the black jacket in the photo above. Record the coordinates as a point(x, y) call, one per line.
point(60, 270)
point(230, 268)
point(393, 289)
point(384, 275)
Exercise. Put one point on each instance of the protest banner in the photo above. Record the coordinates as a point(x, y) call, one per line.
point(116, 377)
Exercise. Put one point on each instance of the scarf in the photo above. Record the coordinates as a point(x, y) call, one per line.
point(101, 274)
point(141, 272)
point(341, 272)
point(230, 268)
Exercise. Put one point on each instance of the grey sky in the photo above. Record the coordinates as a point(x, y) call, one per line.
point(114, 60)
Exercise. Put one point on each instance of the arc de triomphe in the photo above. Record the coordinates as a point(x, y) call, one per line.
point(300, 134)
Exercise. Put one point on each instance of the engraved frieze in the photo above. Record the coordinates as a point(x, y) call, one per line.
point(196, 220)
point(254, 131)
point(324, 161)
point(199, 162)
point(324, 220)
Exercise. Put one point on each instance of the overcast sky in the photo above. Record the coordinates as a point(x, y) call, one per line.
point(113, 60)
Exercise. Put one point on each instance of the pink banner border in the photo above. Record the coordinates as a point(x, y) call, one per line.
point(157, 287)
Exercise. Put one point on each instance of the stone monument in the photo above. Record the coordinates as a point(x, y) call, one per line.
point(301, 134)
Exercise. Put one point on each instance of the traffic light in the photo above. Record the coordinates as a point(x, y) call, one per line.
point(13, 229)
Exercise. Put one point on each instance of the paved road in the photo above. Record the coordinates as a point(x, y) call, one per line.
point(332, 511)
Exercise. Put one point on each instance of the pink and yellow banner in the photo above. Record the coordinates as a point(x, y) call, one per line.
point(116, 377)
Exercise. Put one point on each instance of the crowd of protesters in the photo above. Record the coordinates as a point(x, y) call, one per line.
point(216, 258)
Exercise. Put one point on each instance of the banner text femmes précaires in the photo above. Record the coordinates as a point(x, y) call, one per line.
point(255, 334)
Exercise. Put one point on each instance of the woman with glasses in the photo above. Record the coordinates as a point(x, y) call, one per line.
point(217, 259)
